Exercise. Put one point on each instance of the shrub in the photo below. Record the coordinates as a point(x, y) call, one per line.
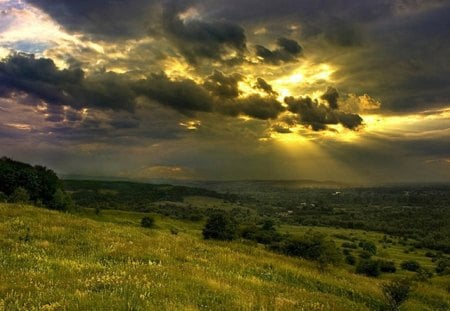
point(443, 267)
point(387, 266)
point(368, 267)
point(20, 195)
point(147, 222)
point(368, 247)
point(430, 254)
point(350, 259)
point(410, 265)
point(61, 201)
point(423, 275)
point(3, 197)
point(220, 226)
point(313, 247)
point(396, 292)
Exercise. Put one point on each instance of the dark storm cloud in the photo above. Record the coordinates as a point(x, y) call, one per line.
point(254, 106)
point(331, 96)
point(39, 77)
point(266, 87)
point(197, 38)
point(105, 19)
point(110, 91)
point(222, 85)
point(288, 51)
point(73, 115)
point(42, 79)
point(183, 95)
point(124, 123)
point(55, 114)
point(342, 33)
point(318, 116)
point(407, 68)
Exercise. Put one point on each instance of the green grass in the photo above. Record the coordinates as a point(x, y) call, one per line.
point(57, 261)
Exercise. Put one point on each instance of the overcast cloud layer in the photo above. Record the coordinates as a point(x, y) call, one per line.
point(355, 91)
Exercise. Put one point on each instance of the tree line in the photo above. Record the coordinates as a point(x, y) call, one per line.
point(24, 183)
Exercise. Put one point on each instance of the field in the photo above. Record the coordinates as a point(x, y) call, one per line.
point(57, 261)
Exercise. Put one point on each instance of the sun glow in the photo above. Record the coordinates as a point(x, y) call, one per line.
point(302, 77)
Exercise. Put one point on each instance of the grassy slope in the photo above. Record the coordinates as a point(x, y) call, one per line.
point(55, 261)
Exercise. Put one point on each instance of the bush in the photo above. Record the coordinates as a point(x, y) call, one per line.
point(443, 267)
point(410, 265)
point(387, 266)
point(368, 247)
point(147, 222)
point(61, 201)
point(350, 259)
point(266, 234)
point(313, 247)
point(396, 292)
point(369, 267)
point(20, 195)
point(423, 275)
point(3, 197)
point(220, 226)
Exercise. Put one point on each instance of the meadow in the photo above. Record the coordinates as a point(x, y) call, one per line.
point(52, 260)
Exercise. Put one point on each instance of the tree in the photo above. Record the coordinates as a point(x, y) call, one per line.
point(369, 247)
point(3, 197)
point(147, 222)
point(410, 265)
point(20, 195)
point(368, 267)
point(313, 247)
point(396, 292)
point(61, 201)
point(220, 226)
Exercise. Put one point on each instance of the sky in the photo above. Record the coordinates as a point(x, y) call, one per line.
point(342, 90)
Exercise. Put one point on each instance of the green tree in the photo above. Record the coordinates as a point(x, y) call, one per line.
point(410, 265)
point(147, 222)
point(61, 201)
point(396, 292)
point(369, 267)
point(20, 195)
point(220, 226)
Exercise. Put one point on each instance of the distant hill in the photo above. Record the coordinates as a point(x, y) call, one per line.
point(129, 195)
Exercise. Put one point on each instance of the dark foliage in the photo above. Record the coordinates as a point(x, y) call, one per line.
point(396, 292)
point(129, 195)
point(22, 182)
point(220, 226)
point(410, 265)
point(387, 266)
point(20, 195)
point(147, 222)
point(443, 266)
point(368, 247)
point(369, 267)
point(350, 259)
point(264, 234)
point(312, 246)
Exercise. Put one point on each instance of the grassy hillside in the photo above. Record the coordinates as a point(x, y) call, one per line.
point(55, 261)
